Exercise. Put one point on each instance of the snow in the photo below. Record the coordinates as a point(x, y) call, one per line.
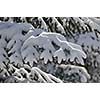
point(95, 20)
point(72, 69)
point(60, 55)
point(59, 26)
point(46, 56)
point(89, 40)
point(13, 29)
point(21, 46)
point(92, 22)
point(36, 75)
point(43, 26)
point(43, 77)
point(45, 39)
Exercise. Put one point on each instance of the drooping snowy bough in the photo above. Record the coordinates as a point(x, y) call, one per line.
point(26, 74)
point(48, 46)
point(32, 55)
